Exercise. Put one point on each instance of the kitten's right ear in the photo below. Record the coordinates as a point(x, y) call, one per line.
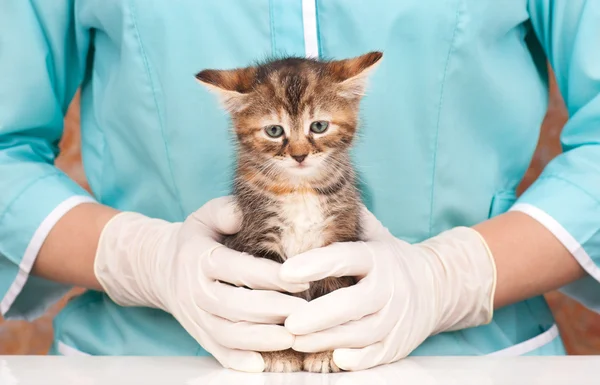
point(232, 86)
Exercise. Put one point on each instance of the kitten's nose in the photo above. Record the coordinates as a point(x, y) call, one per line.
point(299, 158)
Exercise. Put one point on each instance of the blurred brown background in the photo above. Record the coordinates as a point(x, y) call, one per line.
point(579, 327)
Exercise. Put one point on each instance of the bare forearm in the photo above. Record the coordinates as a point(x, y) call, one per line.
point(67, 255)
point(530, 261)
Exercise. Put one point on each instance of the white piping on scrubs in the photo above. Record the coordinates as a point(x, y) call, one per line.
point(529, 345)
point(67, 350)
point(563, 236)
point(309, 20)
point(34, 246)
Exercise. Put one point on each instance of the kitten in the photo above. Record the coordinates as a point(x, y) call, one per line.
point(295, 120)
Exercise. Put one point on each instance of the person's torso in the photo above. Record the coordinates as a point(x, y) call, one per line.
point(449, 124)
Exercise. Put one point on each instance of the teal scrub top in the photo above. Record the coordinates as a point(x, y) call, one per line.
point(451, 121)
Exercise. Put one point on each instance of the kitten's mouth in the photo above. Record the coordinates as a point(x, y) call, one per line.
point(301, 168)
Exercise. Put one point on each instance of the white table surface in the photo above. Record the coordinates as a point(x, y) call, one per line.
point(51, 370)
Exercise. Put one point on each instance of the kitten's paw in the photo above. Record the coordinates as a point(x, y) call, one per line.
point(320, 363)
point(285, 361)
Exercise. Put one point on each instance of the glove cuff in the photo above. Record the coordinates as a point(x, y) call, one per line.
point(467, 279)
point(126, 258)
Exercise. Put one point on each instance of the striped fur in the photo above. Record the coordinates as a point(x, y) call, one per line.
point(296, 191)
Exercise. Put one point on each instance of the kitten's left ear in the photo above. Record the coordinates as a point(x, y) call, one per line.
point(352, 74)
point(232, 86)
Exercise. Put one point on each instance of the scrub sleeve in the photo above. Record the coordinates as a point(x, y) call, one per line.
point(42, 60)
point(566, 197)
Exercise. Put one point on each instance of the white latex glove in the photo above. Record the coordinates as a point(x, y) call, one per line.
point(177, 267)
point(406, 293)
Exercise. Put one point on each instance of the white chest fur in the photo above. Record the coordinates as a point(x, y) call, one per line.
point(303, 222)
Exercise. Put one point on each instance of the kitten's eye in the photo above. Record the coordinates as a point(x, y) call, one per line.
point(319, 127)
point(274, 131)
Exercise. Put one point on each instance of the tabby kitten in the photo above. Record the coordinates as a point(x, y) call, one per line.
point(295, 120)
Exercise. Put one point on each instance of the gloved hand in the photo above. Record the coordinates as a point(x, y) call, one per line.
point(406, 293)
point(180, 267)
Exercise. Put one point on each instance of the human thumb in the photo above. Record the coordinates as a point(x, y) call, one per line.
point(373, 229)
point(221, 215)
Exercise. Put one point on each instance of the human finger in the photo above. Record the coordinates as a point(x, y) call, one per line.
point(372, 228)
point(242, 269)
point(221, 215)
point(241, 360)
point(241, 304)
point(356, 334)
point(336, 308)
point(248, 336)
point(360, 359)
point(336, 260)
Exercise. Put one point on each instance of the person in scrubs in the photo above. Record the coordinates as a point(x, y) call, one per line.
point(455, 262)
